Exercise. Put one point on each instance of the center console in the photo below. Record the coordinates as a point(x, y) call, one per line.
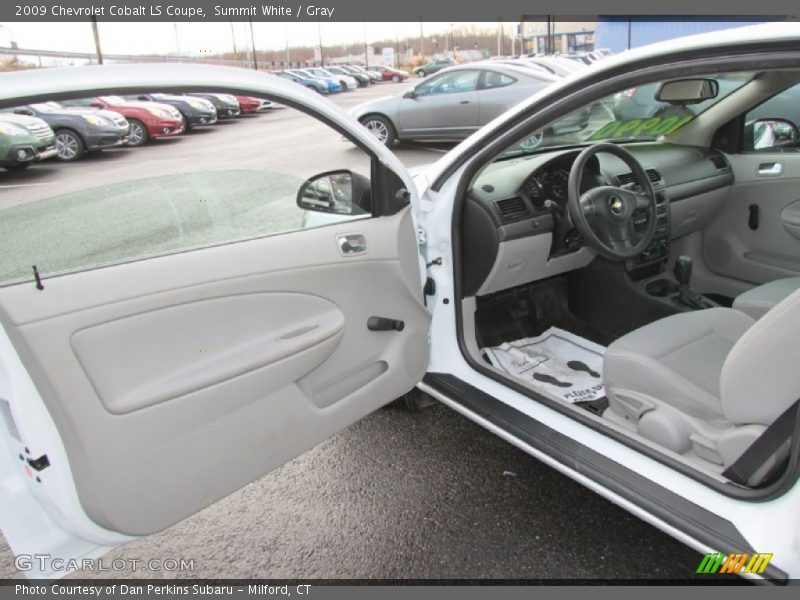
point(648, 270)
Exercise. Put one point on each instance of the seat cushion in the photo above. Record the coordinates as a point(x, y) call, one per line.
point(759, 300)
point(677, 360)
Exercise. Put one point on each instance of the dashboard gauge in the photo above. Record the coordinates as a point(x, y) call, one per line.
point(558, 184)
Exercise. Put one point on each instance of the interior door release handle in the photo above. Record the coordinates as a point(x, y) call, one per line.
point(770, 169)
point(384, 324)
point(354, 243)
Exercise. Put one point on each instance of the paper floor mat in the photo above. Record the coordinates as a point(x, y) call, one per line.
point(566, 365)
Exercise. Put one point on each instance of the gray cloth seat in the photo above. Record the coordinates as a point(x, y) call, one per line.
point(706, 384)
point(757, 301)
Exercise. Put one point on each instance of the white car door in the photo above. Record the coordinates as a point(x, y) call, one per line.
point(136, 392)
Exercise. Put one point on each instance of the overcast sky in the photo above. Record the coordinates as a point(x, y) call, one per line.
point(193, 38)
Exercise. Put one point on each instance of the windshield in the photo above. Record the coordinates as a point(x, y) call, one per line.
point(47, 106)
point(630, 115)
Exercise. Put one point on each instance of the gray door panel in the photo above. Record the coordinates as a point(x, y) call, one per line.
point(790, 216)
point(177, 380)
point(770, 251)
point(494, 102)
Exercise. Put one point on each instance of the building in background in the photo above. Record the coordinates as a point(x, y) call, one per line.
point(619, 34)
point(558, 36)
point(555, 36)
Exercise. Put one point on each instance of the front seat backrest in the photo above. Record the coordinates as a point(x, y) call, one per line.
point(760, 378)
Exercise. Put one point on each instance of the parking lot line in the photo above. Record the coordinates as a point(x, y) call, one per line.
point(21, 185)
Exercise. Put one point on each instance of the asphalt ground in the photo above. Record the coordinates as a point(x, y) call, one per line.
point(397, 495)
point(411, 495)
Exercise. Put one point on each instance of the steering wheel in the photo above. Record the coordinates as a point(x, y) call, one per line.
point(604, 215)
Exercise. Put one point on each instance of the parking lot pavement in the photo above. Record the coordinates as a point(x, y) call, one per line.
point(412, 495)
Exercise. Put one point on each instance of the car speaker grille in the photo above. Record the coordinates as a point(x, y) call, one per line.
point(512, 208)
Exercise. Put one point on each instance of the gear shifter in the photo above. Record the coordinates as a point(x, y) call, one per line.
point(686, 295)
point(683, 270)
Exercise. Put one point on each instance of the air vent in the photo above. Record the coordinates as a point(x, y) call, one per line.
point(719, 161)
point(511, 208)
point(626, 178)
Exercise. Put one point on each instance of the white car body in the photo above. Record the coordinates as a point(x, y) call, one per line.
point(350, 82)
point(37, 518)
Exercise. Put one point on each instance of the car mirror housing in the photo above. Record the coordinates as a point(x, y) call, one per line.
point(687, 91)
point(771, 134)
point(410, 94)
point(339, 192)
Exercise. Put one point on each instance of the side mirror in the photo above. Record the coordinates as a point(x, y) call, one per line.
point(770, 134)
point(96, 104)
point(687, 91)
point(410, 94)
point(23, 111)
point(336, 192)
point(143, 98)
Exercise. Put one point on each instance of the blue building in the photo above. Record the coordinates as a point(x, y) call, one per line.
point(621, 33)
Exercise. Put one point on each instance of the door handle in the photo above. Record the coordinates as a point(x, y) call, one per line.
point(384, 324)
point(770, 169)
point(465, 102)
point(354, 243)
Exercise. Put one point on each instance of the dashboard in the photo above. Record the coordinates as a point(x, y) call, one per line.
point(517, 228)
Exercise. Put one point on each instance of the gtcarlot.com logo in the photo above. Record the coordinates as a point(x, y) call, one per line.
point(52, 564)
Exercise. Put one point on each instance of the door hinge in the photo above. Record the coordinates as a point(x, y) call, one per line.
point(422, 236)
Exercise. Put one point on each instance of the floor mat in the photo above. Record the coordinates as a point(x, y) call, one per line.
point(566, 365)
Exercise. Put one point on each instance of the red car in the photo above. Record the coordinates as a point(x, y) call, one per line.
point(149, 120)
point(249, 105)
point(389, 73)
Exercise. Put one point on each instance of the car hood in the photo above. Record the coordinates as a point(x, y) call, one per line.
point(386, 104)
point(80, 110)
point(23, 120)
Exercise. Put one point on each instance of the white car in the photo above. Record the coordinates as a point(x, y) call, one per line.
point(544, 292)
point(348, 82)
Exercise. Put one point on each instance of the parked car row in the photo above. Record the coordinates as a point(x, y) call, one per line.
point(341, 78)
point(69, 129)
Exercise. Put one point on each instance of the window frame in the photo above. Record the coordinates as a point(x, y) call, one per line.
point(482, 80)
point(386, 186)
point(444, 75)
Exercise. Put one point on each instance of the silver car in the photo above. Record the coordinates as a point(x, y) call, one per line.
point(451, 104)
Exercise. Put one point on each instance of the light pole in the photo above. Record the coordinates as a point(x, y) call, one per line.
point(97, 41)
point(421, 42)
point(288, 62)
point(253, 42)
point(233, 39)
point(177, 40)
point(366, 58)
point(321, 54)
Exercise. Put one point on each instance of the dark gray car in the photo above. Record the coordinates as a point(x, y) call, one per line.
point(79, 130)
point(451, 104)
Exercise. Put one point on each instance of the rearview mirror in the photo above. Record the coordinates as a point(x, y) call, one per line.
point(687, 91)
point(410, 94)
point(338, 192)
